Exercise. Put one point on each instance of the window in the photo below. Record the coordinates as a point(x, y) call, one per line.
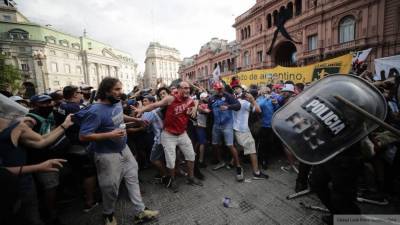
point(56, 82)
point(89, 45)
point(7, 18)
point(312, 42)
point(78, 70)
point(18, 34)
point(22, 49)
point(298, 7)
point(24, 67)
point(66, 55)
point(269, 21)
point(347, 29)
point(64, 43)
point(50, 39)
point(76, 46)
point(54, 67)
point(260, 56)
point(246, 58)
point(290, 10)
point(67, 68)
point(52, 52)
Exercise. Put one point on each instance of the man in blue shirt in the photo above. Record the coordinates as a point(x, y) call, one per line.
point(81, 162)
point(268, 105)
point(102, 124)
point(222, 104)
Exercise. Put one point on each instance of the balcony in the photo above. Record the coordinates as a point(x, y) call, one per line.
point(358, 43)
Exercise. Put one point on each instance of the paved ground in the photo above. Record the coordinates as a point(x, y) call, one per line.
point(260, 202)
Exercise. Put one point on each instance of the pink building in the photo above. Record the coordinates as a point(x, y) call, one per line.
point(322, 29)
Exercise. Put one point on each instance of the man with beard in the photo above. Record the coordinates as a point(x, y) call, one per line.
point(102, 124)
point(179, 108)
point(42, 113)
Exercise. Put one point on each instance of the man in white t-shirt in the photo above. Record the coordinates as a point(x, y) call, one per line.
point(242, 131)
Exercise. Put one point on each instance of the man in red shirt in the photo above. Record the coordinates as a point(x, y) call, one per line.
point(179, 108)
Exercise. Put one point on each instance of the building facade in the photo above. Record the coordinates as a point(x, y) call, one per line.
point(161, 65)
point(217, 52)
point(49, 59)
point(319, 29)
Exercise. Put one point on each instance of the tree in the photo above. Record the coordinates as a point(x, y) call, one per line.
point(10, 76)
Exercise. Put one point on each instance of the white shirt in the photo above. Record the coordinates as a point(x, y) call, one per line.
point(241, 117)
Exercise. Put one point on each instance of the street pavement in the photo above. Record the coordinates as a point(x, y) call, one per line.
point(259, 201)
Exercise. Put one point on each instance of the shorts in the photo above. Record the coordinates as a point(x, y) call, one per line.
point(246, 140)
point(157, 152)
point(219, 132)
point(201, 135)
point(48, 180)
point(170, 142)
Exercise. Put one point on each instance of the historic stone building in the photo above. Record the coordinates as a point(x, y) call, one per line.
point(319, 29)
point(215, 52)
point(161, 64)
point(49, 59)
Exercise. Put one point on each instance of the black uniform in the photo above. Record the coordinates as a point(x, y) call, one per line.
point(343, 171)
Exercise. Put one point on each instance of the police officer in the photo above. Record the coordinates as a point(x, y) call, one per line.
point(343, 171)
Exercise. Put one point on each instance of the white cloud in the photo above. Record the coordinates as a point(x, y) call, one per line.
point(130, 25)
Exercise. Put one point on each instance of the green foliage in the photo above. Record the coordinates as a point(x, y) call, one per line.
point(10, 76)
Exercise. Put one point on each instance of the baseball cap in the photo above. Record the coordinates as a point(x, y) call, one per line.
point(288, 88)
point(204, 95)
point(131, 102)
point(217, 85)
point(40, 98)
point(86, 87)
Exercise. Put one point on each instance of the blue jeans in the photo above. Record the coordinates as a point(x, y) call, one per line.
point(219, 132)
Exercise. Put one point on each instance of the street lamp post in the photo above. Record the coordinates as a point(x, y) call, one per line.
point(39, 56)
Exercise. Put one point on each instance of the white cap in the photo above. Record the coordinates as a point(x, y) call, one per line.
point(16, 98)
point(204, 95)
point(288, 87)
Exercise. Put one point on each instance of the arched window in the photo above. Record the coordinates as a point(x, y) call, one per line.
point(246, 58)
point(347, 28)
point(290, 9)
point(269, 21)
point(275, 16)
point(249, 30)
point(242, 34)
point(298, 7)
point(18, 34)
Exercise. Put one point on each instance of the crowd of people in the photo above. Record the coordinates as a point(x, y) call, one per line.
point(106, 136)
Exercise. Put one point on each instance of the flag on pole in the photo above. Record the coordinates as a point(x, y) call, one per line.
point(361, 56)
point(216, 73)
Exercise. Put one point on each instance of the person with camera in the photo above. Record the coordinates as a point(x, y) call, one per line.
point(102, 125)
point(242, 131)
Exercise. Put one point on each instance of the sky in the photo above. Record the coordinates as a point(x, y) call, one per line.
point(130, 25)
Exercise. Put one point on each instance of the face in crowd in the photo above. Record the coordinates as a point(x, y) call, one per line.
point(44, 108)
point(115, 94)
point(163, 94)
point(238, 91)
point(184, 89)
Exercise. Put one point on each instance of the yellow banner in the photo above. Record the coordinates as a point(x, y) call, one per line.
point(303, 74)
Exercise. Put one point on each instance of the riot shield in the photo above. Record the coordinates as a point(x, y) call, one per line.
point(316, 126)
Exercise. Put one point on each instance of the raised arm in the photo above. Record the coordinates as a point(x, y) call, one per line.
point(30, 138)
point(164, 102)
